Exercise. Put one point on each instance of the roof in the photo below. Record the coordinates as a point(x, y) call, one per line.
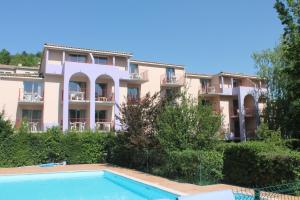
point(2, 66)
point(238, 75)
point(156, 63)
point(198, 75)
point(63, 47)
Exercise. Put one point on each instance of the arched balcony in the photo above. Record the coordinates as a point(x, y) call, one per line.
point(79, 96)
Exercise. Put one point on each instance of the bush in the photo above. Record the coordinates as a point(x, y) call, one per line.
point(260, 164)
point(23, 149)
point(201, 167)
point(266, 134)
point(293, 144)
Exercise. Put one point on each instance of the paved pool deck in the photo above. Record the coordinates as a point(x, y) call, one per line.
point(172, 186)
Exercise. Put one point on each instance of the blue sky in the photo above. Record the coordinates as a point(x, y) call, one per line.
point(206, 36)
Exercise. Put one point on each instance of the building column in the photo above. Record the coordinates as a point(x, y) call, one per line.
point(92, 103)
point(116, 109)
point(66, 104)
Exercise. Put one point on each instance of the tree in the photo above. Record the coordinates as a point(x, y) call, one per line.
point(188, 125)
point(4, 57)
point(281, 69)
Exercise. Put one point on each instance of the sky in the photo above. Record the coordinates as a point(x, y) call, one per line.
point(205, 36)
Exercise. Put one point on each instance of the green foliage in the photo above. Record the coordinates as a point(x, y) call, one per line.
point(264, 133)
point(260, 164)
point(200, 167)
point(24, 58)
point(280, 68)
point(6, 128)
point(188, 125)
point(4, 57)
point(293, 144)
point(23, 148)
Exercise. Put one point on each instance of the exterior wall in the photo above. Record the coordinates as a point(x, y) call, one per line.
point(225, 111)
point(154, 74)
point(193, 85)
point(9, 102)
point(52, 99)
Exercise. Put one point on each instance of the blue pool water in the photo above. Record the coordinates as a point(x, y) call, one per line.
point(100, 185)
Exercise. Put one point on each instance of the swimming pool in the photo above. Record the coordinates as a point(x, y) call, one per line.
point(96, 185)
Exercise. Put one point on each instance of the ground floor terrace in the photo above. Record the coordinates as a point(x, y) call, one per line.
point(182, 189)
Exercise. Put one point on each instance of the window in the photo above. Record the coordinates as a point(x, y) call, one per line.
point(101, 60)
point(77, 115)
point(170, 72)
point(77, 58)
point(31, 115)
point(101, 90)
point(133, 69)
point(100, 115)
point(205, 83)
point(236, 82)
point(33, 87)
point(75, 86)
point(133, 93)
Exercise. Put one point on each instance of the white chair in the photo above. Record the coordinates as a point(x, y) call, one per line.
point(73, 126)
point(81, 126)
point(33, 126)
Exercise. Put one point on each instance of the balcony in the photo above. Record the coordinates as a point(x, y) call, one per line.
point(108, 99)
point(32, 125)
point(77, 96)
point(208, 90)
point(30, 97)
point(139, 77)
point(132, 99)
point(172, 81)
point(103, 125)
point(77, 124)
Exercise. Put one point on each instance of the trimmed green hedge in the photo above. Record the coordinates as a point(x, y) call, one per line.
point(201, 167)
point(24, 149)
point(260, 164)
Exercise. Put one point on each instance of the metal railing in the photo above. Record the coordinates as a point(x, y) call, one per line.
point(172, 80)
point(103, 125)
point(105, 98)
point(139, 76)
point(208, 90)
point(288, 191)
point(77, 96)
point(30, 96)
point(132, 99)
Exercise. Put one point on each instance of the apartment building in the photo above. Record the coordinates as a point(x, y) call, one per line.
point(79, 89)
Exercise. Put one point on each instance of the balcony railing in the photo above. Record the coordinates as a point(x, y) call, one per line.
point(132, 99)
point(32, 125)
point(143, 76)
point(208, 90)
point(105, 98)
point(103, 125)
point(30, 97)
point(174, 80)
point(77, 124)
point(77, 96)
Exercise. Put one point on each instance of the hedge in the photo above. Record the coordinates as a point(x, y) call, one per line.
point(260, 164)
point(25, 149)
point(200, 167)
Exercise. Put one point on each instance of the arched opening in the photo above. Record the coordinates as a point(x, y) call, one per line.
point(104, 100)
point(250, 116)
point(79, 96)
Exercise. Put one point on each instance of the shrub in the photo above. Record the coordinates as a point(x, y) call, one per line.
point(266, 134)
point(260, 164)
point(201, 167)
point(188, 125)
point(293, 144)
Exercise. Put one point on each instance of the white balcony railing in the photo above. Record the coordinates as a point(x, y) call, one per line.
point(175, 80)
point(103, 125)
point(77, 96)
point(143, 76)
point(30, 97)
point(208, 90)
